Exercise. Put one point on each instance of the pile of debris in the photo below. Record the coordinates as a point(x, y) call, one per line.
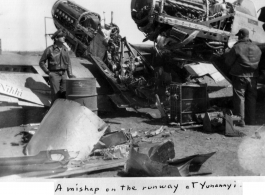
point(71, 140)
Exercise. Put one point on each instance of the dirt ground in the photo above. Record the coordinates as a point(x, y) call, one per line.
point(235, 156)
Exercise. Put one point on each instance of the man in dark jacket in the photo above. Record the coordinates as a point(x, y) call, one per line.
point(243, 59)
point(59, 64)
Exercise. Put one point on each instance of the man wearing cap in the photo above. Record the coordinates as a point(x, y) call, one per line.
point(59, 64)
point(243, 59)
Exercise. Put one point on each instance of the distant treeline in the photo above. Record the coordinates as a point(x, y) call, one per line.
point(34, 53)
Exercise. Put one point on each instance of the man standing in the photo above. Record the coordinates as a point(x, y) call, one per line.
point(59, 64)
point(243, 59)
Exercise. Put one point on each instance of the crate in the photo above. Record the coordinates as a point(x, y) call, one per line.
point(186, 101)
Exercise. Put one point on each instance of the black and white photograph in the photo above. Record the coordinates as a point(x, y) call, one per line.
point(133, 96)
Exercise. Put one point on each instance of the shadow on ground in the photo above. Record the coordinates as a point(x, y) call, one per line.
point(15, 116)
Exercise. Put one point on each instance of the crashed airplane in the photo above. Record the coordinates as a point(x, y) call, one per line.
point(184, 32)
point(124, 67)
point(197, 30)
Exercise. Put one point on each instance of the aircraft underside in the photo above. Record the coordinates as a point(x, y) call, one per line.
point(183, 32)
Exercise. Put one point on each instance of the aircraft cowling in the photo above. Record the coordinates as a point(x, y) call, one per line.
point(80, 25)
point(143, 11)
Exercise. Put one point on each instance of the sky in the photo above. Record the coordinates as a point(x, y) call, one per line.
point(22, 22)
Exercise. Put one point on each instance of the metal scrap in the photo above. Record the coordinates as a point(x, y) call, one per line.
point(116, 152)
point(159, 162)
point(44, 161)
point(111, 139)
point(162, 152)
point(70, 126)
point(156, 132)
point(139, 164)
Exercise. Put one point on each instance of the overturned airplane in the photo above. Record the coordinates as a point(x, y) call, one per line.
point(197, 30)
point(184, 32)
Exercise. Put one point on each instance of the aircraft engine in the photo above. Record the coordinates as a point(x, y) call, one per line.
point(79, 24)
point(192, 28)
point(143, 12)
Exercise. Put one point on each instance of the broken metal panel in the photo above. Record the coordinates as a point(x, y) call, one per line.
point(154, 113)
point(196, 161)
point(18, 169)
point(35, 82)
point(67, 125)
point(28, 104)
point(141, 165)
point(23, 93)
point(159, 162)
point(97, 46)
point(201, 69)
point(43, 161)
point(37, 174)
point(115, 152)
point(230, 122)
point(8, 99)
point(162, 152)
point(113, 139)
point(88, 168)
point(41, 158)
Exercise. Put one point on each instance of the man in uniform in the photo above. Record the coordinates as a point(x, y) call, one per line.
point(243, 59)
point(59, 64)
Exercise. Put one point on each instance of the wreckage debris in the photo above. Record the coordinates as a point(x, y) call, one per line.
point(156, 132)
point(42, 163)
point(68, 125)
point(162, 152)
point(116, 152)
point(152, 139)
point(135, 134)
point(127, 70)
point(113, 145)
point(89, 168)
point(141, 165)
point(112, 139)
point(229, 126)
point(159, 163)
point(196, 161)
